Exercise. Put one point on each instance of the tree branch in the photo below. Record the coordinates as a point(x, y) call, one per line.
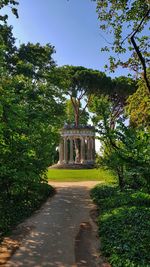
point(82, 94)
point(135, 31)
point(139, 54)
point(142, 61)
point(85, 105)
point(73, 103)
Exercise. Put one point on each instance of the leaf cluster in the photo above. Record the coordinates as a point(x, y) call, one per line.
point(123, 225)
point(138, 106)
point(126, 22)
point(11, 4)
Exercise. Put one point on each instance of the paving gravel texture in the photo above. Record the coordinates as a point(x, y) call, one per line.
point(62, 233)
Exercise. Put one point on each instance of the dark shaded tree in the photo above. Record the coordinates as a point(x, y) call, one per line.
point(117, 92)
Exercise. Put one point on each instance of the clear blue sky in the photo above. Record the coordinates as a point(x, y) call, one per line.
point(71, 26)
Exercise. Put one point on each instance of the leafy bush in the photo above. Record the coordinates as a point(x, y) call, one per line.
point(124, 149)
point(124, 224)
point(20, 206)
point(31, 112)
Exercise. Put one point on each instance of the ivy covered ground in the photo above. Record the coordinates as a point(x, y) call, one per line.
point(124, 225)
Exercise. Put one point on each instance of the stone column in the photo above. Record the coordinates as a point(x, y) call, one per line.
point(71, 151)
point(61, 152)
point(65, 150)
point(77, 150)
point(93, 148)
point(88, 149)
point(82, 150)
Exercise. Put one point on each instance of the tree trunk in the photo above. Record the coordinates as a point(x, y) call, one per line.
point(76, 106)
point(76, 118)
point(121, 178)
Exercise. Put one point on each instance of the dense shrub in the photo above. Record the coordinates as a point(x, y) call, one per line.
point(16, 209)
point(124, 224)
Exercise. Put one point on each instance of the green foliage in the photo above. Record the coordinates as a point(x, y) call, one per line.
point(20, 206)
point(11, 4)
point(31, 113)
point(138, 106)
point(80, 80)
point(84, 115)
point(34, 60)
point(79, 83)
point(126, 150)
point(117, 93)
point(122, 87)
point(29, 117)
point(131, 157)
point(124, 223)
point(127, 23)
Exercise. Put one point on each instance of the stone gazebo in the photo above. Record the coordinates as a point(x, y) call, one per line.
point(77, 147)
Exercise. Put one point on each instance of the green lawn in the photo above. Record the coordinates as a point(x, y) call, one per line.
point(61, 175)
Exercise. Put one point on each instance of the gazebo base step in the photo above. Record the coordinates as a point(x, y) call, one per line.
point(72, 166)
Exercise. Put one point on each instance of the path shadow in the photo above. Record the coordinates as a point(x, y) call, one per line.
point(51, 241)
